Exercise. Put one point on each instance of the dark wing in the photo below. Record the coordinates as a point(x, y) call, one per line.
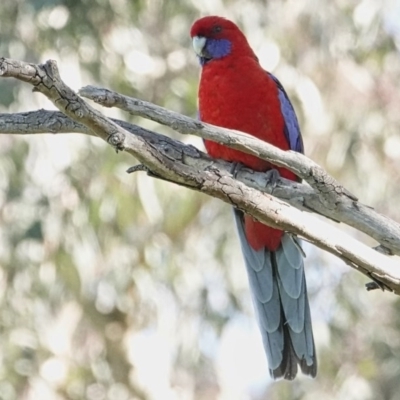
point(292, 128)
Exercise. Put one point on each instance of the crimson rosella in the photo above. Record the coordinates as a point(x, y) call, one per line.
point(236, 93)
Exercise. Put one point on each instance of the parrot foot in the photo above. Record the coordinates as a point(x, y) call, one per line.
point(235, 168)
point(272, 177)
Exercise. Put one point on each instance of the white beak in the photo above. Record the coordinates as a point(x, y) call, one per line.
point(198, 44)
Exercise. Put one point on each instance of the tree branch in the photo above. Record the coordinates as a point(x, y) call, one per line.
point(301, 196)
point(181, 164)
point(330, 198)
point(331, 191)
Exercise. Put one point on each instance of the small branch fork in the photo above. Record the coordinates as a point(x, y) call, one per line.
point(251, 192)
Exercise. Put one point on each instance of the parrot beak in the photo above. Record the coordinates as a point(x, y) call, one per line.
point(198, 44)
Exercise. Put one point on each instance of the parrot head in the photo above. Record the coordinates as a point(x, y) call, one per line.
point(215, 38)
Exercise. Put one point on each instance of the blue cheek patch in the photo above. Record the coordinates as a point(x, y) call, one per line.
point(214, 49)
point(218, 48)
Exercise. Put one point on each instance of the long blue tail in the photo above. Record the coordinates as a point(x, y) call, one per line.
point(279, 291)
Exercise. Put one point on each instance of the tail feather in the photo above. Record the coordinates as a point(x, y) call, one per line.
point(291, 278)
point(279, 291)
point(269, 321)
point(291, 281)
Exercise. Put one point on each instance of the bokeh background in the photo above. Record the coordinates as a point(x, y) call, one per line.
point(121, 287)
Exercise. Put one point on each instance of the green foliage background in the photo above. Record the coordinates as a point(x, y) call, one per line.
point(122, 287)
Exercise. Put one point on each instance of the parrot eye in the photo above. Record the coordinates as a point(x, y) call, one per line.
point(216, 29)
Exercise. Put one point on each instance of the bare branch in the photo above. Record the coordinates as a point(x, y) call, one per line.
point(303, 197)
point(45, 78)
point(157, 156)
point(331, 199)
point(331, 191)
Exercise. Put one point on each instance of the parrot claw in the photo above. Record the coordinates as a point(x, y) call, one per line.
point(272, 177)
point(235, 169)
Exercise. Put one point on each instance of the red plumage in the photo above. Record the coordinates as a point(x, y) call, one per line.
point(236, 93)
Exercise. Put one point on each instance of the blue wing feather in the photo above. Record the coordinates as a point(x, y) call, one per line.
point(292, 128)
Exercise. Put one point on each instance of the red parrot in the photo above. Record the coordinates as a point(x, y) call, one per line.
point(236, 93)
